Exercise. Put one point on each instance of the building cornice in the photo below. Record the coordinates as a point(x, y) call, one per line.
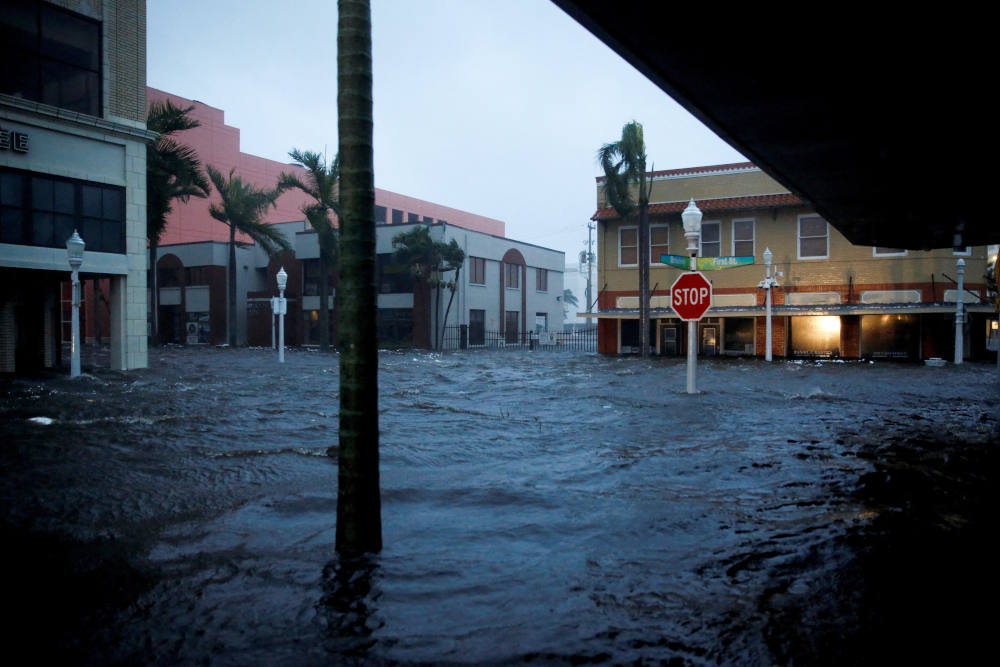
point(84, 121)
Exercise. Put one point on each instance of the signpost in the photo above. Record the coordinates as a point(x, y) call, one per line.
point(691, 297)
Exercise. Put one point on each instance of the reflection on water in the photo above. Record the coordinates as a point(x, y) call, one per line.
point(536, 507)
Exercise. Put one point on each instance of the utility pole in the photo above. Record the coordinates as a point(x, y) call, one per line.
point(590, 261)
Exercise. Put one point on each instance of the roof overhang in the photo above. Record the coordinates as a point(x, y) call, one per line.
point(879, 122)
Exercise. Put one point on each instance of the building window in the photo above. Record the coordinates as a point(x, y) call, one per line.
point(428, 220)
point(412, 217)
point(814, 237)
point(659, 242)
point(477, 327)
point(310, 277)
point(380, 213)
point(542, 280)
point(394, 325)
point(477, 270)
point(43, 211)
point(743, 232)
point(51, 56)
point(512, 275)
point(541, 322)
point(392, 278)
point(711, 239)
point(397, 216)
point(628, 246)
point(196, 275)
point(442, 222)
point(879, 251)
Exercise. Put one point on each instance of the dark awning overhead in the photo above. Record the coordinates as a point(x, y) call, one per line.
point(881, 123)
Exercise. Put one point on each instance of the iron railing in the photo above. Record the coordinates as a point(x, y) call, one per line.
point(464, 337)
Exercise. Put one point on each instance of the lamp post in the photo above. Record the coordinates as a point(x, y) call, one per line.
point(768, 282)
point(282, 309)
point(959, 312)
point(691, 217)
point(74, 251)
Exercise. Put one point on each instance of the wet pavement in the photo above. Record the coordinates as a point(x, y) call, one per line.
point(549, 508)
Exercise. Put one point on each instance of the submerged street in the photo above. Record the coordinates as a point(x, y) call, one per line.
point(537, 507)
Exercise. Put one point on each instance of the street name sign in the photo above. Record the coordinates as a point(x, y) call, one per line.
point(691, 296)
point(706, 263)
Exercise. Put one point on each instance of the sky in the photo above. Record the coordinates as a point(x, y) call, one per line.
point(496, 107)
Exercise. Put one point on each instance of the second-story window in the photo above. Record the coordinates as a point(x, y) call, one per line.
point(743, 237)
point(628, 246)
point(659, 242)
point(477, 270)
point(814, 237)
point(541, 280)
point(711, 239)
point(880, 251)
point(51, 56)
point(512, 275)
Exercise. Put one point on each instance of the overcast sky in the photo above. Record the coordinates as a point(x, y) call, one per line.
point(496, 107)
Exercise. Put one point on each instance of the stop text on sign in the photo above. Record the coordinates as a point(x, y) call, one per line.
point(691, 296)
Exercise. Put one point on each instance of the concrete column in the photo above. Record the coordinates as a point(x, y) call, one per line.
point(119, 324)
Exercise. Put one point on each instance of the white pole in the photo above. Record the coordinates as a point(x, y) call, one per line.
point(691, 220)
point(74, 369)
point(959, 314)
point(281, 325)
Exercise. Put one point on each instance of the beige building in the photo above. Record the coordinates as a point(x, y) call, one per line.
point(72, 157)
point(834, 299)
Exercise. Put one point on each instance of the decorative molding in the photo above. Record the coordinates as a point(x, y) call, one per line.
point(812, 298)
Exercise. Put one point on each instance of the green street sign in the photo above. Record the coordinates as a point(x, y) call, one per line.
point(705, 263)
point(676, 261)
point(712, 263)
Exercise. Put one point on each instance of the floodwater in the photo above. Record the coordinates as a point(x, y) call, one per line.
point(549, 508)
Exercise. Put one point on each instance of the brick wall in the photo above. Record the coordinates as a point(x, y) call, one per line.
point(125, 59)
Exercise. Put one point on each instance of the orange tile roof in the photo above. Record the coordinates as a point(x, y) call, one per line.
point(723, 204)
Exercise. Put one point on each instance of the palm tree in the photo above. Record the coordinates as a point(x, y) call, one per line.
point(173, 172)
point(624, 165)
point(427, 259)
point(243, 205)
point(359, 506)
point(321, 185)
point(569, 300)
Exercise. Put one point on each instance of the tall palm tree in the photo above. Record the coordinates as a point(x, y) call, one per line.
point(359, 506)
point(321, 185)
point(173, 172)
point(624, 165)
point(243, 205)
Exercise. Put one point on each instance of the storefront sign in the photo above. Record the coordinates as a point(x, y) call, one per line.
point(11, 140)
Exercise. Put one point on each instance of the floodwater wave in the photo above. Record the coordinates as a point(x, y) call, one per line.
point(537, 507)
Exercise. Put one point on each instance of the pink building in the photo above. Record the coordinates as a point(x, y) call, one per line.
point(218, 144)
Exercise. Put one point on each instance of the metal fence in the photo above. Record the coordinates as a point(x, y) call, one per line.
point(465, 337)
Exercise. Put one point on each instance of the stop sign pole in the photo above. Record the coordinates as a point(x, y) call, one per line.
point(691, 218)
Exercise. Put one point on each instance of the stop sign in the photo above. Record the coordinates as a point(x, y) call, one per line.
point(691, 295)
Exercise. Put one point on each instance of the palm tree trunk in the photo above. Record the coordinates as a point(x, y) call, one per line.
point(448, 309)
point(324, 304)
point(643, 277)
point(359, 512)
point(231, 314)
point(154, 292)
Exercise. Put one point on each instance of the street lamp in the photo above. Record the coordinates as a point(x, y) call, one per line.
point(691, 218)
point(74, 252)
point(959, 313)
point(282, 309)
point(768, 282)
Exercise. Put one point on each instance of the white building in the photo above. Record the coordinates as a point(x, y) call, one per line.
point(72, 157)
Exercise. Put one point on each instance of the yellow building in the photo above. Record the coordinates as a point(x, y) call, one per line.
point(833, 299)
